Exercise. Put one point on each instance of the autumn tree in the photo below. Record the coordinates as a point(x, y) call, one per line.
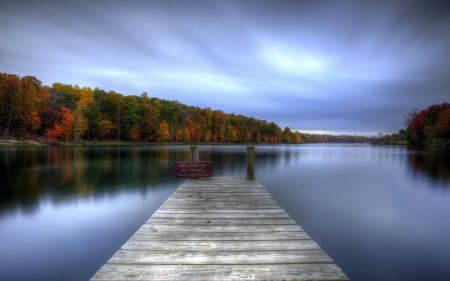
point(80, 122)
point(45, 110)
point(66, 95)
point(93, 115)
point(443, 123)
point(9, 91)
point(67, 122)
point(19, 104)
point(135, 134)
point(163, 131)
point(54, 133)
point(35, 121)
point(149, 116)
point(287, 135)
point(297, 138)
point(113, 111)
point(73, 113)
point(186, 135)
point(27, 106)
point(429, 127)
point(131, 116)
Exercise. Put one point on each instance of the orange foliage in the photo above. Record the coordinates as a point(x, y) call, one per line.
point(54, 134)
point(67, 122)
point(68, 112)
point(135, 134)
point(35, 121)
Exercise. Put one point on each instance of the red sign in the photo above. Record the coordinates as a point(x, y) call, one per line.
point(199, 169)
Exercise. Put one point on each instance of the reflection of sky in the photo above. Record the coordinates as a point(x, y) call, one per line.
point(365, 207)
point(363, 204)
point(53, 241)
point(352, 66)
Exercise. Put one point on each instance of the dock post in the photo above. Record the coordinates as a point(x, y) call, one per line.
point(194, 153)
point(250, 162)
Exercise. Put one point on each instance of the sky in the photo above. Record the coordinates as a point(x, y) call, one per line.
point(338, 67)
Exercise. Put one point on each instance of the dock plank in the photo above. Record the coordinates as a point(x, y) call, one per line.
point(226, 236)
point(225, 257)
point(220, 229)
point(207, 272)
point(221, 245)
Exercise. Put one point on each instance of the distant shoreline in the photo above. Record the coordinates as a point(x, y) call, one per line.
point(12, 142)
point(39, 142)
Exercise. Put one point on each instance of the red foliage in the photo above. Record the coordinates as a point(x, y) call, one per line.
point(430, 125)
point(55, 133)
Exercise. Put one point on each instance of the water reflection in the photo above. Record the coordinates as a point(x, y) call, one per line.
point(434, 166)
point(356, 201)
point(65, 173)
point(61, 173)
point(361, 204)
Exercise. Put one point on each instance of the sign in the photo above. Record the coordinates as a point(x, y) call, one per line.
point(199, 169)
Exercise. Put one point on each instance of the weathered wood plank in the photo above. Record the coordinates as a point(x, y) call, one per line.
point(217, 216)
point(211, 236)
point(220, 272)
point(220, 229)
point(220, 257)
point(162, 210)
point(221, 221)
point(219, 206)
point(220, 245)
point(205, 190)
point(224, 200)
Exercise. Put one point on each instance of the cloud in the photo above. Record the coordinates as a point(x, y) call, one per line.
point(316, 65)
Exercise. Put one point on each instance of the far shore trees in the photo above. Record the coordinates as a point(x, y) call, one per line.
point(68, 113)
point(429, 128)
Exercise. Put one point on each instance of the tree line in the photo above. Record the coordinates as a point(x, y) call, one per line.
point(430, 127)
point(69, 113)
point(324, 138)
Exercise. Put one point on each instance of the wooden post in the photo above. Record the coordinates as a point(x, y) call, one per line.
point(194, 153)
point(250, 162)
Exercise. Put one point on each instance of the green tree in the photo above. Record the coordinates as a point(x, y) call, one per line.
point(66, 95)
point(80, 124)
point(131, 116)
point(150, 114)
point(287, 135)
point(9, 90)
point(113, 111)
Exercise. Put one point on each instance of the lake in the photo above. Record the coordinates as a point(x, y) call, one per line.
point(382, 213)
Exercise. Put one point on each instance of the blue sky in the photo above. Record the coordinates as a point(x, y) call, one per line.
point(355, 67)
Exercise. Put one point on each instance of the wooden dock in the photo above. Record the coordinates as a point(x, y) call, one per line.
point(220, 229)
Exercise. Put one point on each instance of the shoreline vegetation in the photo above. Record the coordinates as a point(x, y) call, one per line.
point(32, 114)
point(66, 114)
point(42, 142)
point(428, 129)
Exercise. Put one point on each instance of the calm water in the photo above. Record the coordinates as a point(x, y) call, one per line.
point(383, 213)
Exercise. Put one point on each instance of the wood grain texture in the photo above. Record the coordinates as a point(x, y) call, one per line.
point(220, 229)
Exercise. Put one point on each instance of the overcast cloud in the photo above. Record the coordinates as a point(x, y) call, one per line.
point(331, 66)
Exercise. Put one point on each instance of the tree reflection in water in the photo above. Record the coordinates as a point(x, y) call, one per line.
point(431, 165)
point(62, 173)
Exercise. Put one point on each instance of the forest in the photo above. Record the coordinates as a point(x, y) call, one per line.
point(65, 113)
point(430, 127)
